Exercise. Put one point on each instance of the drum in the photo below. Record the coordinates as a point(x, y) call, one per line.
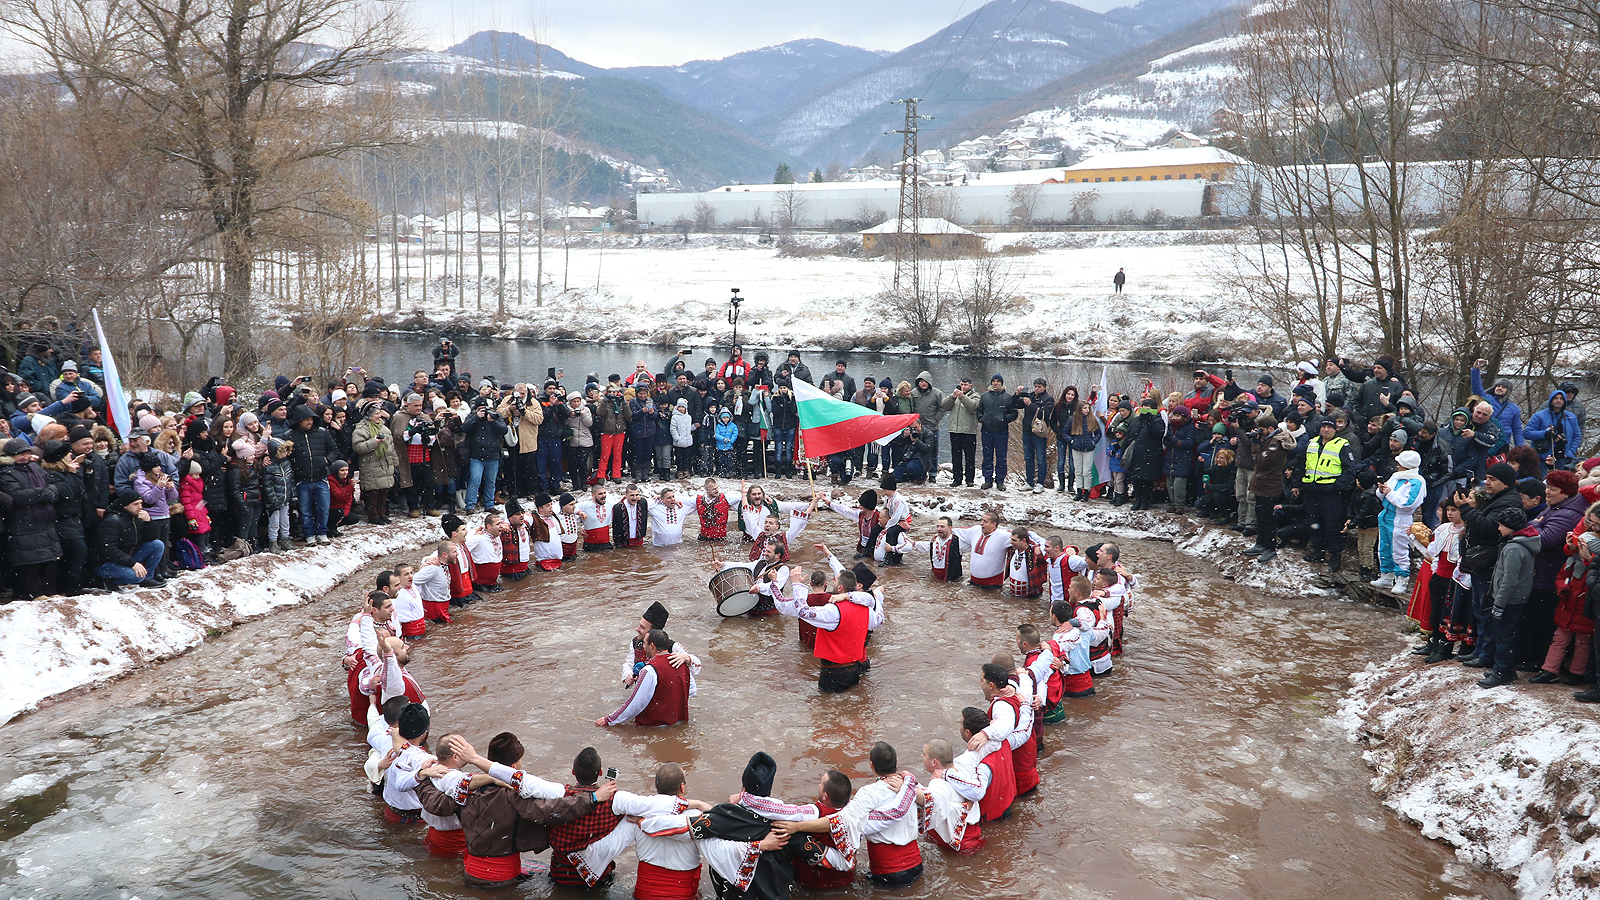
point(731, 589)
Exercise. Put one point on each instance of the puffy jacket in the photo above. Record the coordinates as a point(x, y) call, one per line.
point(682, 430)
point(1143, 457)
point(118, 538)
point(157, 500)
point(1180, 442)
point(313, 450)
point(612, 414)
point(485, 435)
point(1367, 404)
point(277, 484)
point(342, 494)
point(996, 411)
point(1513, 569)
point(1483, 522)
point(642, 421)
point(73, 507)
point(785, 412)
point(963, 412)
point(192, 493)
point(373, 444)
point(727, 432)
point(580, 426)
point(1553, 525)
point(1553, 433)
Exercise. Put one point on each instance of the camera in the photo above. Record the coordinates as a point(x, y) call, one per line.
point(611, 773)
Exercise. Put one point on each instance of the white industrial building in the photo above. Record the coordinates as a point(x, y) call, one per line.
point(981, 200)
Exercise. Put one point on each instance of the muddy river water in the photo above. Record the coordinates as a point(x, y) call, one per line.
point(1204, 768)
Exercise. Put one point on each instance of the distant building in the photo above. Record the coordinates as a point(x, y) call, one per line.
point(1184, 139)
point(1165, 164)
point(939, 236)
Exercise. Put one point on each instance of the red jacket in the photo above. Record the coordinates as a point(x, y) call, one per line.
point(341, 494)
point(1200, 406)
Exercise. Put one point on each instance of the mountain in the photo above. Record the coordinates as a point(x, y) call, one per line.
point(748, 87)
point(1162, 17)
point(514, 51)
point(1002, 49)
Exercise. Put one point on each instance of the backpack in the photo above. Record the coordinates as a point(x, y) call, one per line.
point(189, 555)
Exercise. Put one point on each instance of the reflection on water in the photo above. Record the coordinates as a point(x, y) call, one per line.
point(1202, 768)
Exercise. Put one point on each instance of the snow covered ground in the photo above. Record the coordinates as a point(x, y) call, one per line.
point(1180, 301)
point(1508, 776)
point(48, 647)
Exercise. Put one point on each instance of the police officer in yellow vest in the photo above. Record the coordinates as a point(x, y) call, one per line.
point(1325, 482)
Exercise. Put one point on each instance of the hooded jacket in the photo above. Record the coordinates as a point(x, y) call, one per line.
point(1509, 414)
point(929, 403)
point(1513, 570)
point(1547, 425)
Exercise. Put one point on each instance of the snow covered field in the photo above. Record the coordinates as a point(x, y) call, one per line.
point(661, 289)
point(51, 646)
point(1507, 776)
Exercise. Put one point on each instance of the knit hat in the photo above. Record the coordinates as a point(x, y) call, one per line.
point(126, 496)
point(14, 446)
point(69, 366)
point(1387, 362)
point(273, 406)
point(1503, 473)
point(338, 395)
point(450, 523)
point(869, 499)
point(1409, 460)
point(1336, 398)
point(55, 451)
point(1366, 477)
point(578, 395)
point(149, 423)
point(758, 774)
point(566, 498)
point(77, 433)
point(337, 464)
point(414, 721)
point(191, 398)
point(888, 482)
point(1266, 379)
point(1306, 391)
point(656, 615)
point(997, 377)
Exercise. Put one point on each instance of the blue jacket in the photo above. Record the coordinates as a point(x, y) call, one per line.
point(1509, 414)
point(1547, 424)
point(727, 432)
point(1180, 450)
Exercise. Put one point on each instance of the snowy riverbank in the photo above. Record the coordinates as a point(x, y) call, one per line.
point(53, 646)
point(1510, 777)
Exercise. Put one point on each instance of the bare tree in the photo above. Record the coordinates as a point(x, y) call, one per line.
point(248, 97)
point(1023, 205)
point(985, 289)
point(705, 217)
point(788, 209)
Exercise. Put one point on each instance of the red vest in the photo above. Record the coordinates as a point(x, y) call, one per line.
point(821, 878)
point(1053, 692)
point(1002, 784)
point(808, 631)
point(1025, 759)
point(670, 704)
point(847, 643)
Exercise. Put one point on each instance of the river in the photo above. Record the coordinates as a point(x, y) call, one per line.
point(1204, 767)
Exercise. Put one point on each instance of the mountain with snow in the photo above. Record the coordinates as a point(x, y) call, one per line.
point(748, 88)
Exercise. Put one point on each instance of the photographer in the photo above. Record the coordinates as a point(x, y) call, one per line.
point(612, 419)
point(553, 435)
point(485, 431)
point(444, 358)
point(525, 414)
point(418, 435)
point(962, 404)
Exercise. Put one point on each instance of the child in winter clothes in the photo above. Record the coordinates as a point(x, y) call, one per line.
point(1364, 519)
point(1218, 483)
point(682, 428)
point(192, 494)
point(708, 437)
point(277, 483)
point(727, 436)
point(341, 496)
point(1402, 494)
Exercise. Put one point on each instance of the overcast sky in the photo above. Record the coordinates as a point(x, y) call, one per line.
point(614, 33)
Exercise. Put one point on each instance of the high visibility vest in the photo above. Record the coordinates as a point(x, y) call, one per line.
point(1323, 465)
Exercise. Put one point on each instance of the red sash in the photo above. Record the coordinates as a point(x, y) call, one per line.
point(446, 843)
point(1074, 685)
point(485, 574)
point(514, 568)
point(990, 581)
point(635, 542)
point(1025, 761)
point(1053, 683)
point(887, 859)
point(598, 537)
point(417, 627)
point(971, 841)
point(657, 883)
point(460, 581)
point(436, 611)
point(493, 868)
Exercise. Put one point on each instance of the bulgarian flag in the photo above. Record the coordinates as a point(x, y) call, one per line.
point(830, 426)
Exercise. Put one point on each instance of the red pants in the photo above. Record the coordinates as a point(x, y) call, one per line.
point(611, 450)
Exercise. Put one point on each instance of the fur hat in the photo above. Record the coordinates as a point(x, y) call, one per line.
point(414, 721)
point(869, 499)
point(865, 577)
point(656, 615)
point(540, 499)
point(888, 482)
point(513, 508)
point(450, 523)
point(758, 774)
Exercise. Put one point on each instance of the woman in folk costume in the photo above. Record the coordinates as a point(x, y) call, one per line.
point(546, 529)
point(516, 543)
point(1402, 494)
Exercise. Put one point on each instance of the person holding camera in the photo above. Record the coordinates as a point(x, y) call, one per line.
point(962, 405)
point(612, 418)
point(525, 414)
point(444, 357)
point(1484, 510)
point(485, 431)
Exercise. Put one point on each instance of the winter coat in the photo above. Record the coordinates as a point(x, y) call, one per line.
point(642, 420)
point(192, 494)
point(1084, 442)
point(527, 424)
point(682, 429)
point(373, 444)
point(1366, 402)
point(485, 435)
point(157, 500)
point(555, 427)
point(688, 395)
point(785, 412)
point(963, 412)
point(1269, 457)
point(1144, 458)
point(663, 422)
point(1483, 522)
point(212, 476)
point(1179, 443)
point(928, 404)
point(1508, 414)
point(277, 484)
point(727, 432)
point(613, 415)
point(342, 493)
point(1555, 433)
point(1041, 406)
point(580, 424)
point(1367, 509)
point(1553, 525)
point(38, 372)
point(996, 411)
point(73, 505)
point(117, 538)
point(1513, 569)
point(313, 450)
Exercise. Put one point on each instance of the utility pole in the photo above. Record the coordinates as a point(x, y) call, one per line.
point(907, 237)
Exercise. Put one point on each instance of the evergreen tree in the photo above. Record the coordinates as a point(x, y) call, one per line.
point(816, 176)
point(784, 175)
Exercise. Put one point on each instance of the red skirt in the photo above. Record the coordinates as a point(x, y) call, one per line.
point(436, 611)
point(446, 843)
point(418, 627)
point(1420, 610)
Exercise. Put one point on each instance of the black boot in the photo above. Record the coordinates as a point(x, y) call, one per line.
point(1442, 651)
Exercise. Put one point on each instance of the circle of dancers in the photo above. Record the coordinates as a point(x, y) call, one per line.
point(488, 809)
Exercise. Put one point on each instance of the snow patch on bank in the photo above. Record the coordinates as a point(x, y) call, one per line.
point(1510, 776)
point(51, 646)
